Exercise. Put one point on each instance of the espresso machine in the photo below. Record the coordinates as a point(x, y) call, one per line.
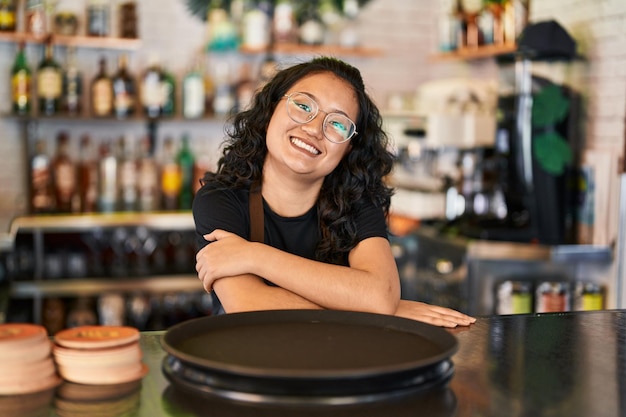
point(527, 188)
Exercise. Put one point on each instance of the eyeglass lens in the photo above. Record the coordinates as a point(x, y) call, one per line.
point(302, 109)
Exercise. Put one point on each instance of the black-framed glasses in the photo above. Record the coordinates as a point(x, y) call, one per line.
point(337, 127)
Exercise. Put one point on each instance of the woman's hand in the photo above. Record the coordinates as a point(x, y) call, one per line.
point(225, 256)
point(431, 314)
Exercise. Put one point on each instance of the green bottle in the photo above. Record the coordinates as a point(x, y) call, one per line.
point(21, 75)
point(186, 163)
point(169, 87)
point(49, 82)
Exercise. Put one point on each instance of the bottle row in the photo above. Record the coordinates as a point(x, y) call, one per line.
point(54, 89)
point(145, 311)
point(524, 297)
point(41, 17)
point(474, 23)
point(114, 175)
point(116, 253)
point(257, 25)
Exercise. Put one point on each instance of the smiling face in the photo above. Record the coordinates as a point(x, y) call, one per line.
point(301, 150)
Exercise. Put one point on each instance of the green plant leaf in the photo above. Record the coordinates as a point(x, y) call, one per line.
point(552, 152)
point(550, 106)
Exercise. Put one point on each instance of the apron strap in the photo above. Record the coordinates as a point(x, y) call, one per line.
point(257, 233)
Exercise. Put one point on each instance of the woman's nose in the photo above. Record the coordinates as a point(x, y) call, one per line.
point(315, 127)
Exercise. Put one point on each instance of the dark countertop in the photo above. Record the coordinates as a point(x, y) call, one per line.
point(560, 364)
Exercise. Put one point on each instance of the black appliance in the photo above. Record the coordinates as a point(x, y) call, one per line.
point(535, 162)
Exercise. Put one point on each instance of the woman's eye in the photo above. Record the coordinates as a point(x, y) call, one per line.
point(338, 126)
point(304, 107)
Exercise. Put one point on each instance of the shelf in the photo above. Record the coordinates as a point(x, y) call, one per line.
point(481, 52)
point(77, 41)
point(65, 118)
point(81, 222)
point(331, 50)
point(97, 286)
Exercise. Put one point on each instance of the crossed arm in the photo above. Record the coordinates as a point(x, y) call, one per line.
point(370, 283)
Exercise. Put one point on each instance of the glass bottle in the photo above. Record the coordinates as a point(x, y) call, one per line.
point(194, 92)
point(41, 189)
point(256, 29)
point(246, 87)
point(152, 97)
point(169, 94)
point(102, 92)
point(312, 30)
point(35, 16)
point(20, 83)
point(224, 100)
point(124, 90)
point(127, 174)
point(8, 15)
point(147, 177)
point(107, 175)
point(88, 175)
point(64, 176)
point(185, 160)
point(72, 85)
point(98, 17)
point(49, 82)
point(170, 176)
point(284, 25)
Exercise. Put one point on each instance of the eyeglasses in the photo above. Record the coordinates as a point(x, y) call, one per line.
point(337, 127)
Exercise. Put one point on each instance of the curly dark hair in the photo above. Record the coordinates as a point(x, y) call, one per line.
point(360, 175)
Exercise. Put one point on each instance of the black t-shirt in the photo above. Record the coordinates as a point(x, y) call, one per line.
point(228, 210)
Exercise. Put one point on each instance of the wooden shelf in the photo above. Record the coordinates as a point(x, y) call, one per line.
point(481, 52)
point(300, 49)
point(66, 118)
point(77, 41)
point(72, 287)
point(182, 220)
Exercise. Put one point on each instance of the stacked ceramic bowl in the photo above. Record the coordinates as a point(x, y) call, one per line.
point(26, 365)
point(99, 355)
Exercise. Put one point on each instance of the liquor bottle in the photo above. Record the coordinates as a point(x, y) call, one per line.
point(107, 175)
point(147, 177)
point(312, 29)
point(49, 82)
point(127, 174)
point(98, 17)
point(64, 176)
point(194, 92)
point(152, 97)
point(72, 85)
point(245, 89)
point(8, 15)
point(124, 90)
point(284, 25)
point(170, 176)
point(35, 15)
point(186, 166)
point(20, 83)
point(41, 189)
point(224, 100)
point(169, 95)
point(102, 92)
point(256, 29)
point(88, 175)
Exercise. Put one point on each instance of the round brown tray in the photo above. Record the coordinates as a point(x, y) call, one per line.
point(302, 355)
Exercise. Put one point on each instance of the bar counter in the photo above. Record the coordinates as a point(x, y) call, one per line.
point(558, 364)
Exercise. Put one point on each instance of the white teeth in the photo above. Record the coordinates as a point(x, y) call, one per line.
point(305, 146)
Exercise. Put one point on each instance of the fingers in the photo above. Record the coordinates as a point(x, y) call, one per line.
point(216, 234)
point(435, 315)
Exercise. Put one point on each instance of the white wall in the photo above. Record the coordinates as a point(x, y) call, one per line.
point(406, 32)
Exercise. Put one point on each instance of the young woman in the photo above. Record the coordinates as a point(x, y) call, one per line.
point(312, 145)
